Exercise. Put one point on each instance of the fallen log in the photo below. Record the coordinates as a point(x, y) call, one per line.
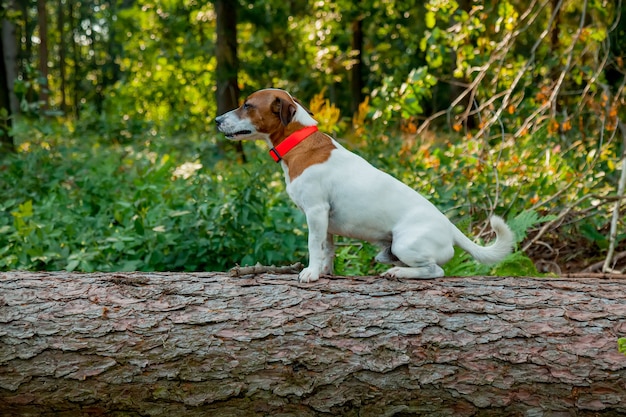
point(206, 344)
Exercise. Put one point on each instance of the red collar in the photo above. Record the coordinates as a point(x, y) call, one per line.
point(291, 141)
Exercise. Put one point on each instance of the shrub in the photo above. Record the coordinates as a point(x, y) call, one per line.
point(81, 205)
point(172, 203)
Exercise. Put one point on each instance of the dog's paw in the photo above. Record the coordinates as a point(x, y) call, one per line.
point(309, 275)
point(423, 272)
point(393, 273)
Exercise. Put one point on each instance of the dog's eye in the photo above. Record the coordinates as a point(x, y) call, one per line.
point(247, 106)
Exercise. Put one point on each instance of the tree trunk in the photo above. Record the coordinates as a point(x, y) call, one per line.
point(227, 95)
point(74, 21)
point(42, 19)
point(62, 54)
point(356, 71)
point(206, 344)
point(6, 141)
point(94, 68)
point(10, 47)
point(226, 55)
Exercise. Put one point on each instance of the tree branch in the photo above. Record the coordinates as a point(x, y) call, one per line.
point(257, 269)
point(608, 262)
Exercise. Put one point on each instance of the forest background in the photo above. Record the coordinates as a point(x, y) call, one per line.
point(109, 159)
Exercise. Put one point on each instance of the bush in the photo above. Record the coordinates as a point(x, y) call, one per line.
point(81, 205)
point(79, 202)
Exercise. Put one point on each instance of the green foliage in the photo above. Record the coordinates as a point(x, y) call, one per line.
point(621, 345)
point(168, 51)
point(355, 258)
point(407, 99)
point(86, 206)
point(516, 264)
point(135, 179)
point(527, 219)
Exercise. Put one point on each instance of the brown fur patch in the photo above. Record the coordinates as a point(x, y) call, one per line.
point(260, 107)
point(313, 150)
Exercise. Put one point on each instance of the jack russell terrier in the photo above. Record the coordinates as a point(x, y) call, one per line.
point(342, 194)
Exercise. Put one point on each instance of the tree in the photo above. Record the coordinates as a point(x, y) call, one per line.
point(6, 142)
point(8, 105)
point(10, 45)
point(61, 11)
point(207, 344)
point(74, 21)
point(227, 92)
point(356, 71)
point(42, 19)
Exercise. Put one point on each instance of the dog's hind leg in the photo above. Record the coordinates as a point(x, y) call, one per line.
point(425, 271)
point(385, 256)
point(420, 253)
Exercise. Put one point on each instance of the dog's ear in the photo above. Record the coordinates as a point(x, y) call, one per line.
point(303, 106)
point(285, 110)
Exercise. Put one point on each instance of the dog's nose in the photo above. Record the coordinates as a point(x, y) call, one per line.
point(219, 120)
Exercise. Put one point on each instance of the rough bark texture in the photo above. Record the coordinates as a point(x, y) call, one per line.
point(207, 344)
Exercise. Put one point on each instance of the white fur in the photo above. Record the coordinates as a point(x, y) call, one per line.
point(347, 196)
point(230, 124)
point(303, 117)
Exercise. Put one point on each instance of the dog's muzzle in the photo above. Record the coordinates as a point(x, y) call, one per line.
point(219, 121)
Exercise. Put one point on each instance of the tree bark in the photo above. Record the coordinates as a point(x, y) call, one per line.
point(227, 65)
point(206, 344)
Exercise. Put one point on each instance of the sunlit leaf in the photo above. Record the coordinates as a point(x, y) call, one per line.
point(430, 20)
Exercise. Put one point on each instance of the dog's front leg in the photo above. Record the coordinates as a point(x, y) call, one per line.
point(317, 221)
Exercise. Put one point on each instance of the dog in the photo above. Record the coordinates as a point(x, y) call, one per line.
point(342, 194)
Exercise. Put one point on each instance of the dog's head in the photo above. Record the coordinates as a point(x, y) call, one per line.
point(263, 113)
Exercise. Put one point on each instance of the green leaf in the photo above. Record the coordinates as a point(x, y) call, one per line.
point(430, 20)
point(524, 221)
point(129, 266)
point(24, 210)
point(72, 265)
point(516, 264)
point(591, 233)
point(139, 229)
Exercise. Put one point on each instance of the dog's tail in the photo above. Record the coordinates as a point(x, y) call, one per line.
point(497, 251)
